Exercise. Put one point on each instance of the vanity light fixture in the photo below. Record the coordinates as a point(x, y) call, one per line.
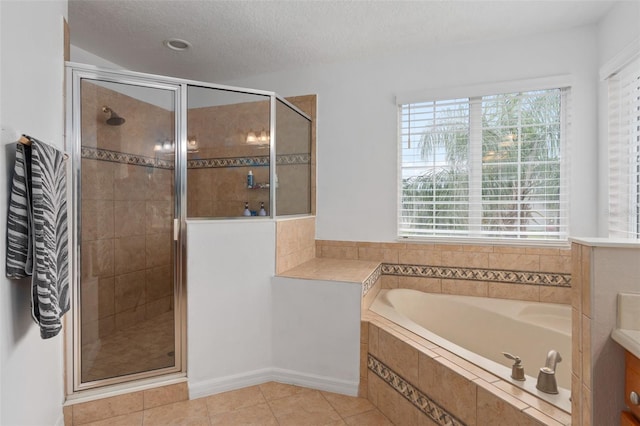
point(168, 146)
point(254, 138)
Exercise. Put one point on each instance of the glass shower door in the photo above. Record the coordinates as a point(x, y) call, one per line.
point(128, 327)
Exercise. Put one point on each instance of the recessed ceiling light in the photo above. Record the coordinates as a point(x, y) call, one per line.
point(177, 44)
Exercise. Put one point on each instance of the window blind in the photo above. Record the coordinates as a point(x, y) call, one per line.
point(489, 167)
point(624, 152)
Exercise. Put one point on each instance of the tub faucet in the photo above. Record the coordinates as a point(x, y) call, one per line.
point(547, 375)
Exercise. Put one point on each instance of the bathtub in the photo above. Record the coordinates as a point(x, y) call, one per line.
point(479, 329)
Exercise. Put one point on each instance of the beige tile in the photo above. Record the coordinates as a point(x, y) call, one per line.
point(129, 291)
point(465, 259)
point(275, 390)
point(67, 412)
point(233, 400)
point(159, 282)
point(586, 280)
point(308, 408)
point(521, 262)
point(129, 182)
point(257, 415)
point(129, 254)
point(347, 406)
point(158, 249)
point(158, 307)
point(556, 263)
point(576, 276)
point(538, 404)
point(129, 218)
point(374, 332)
point(427, 285)
point(586, 408)
point(370, 418)
point(158, 217)
point(551, 294)
point(179, 413)
point(399, 356)
point(97, 258)
point(450, 386)
point(133, 419)
point(373, 386)
point(586, 351)
point(413, 256)
point(379, 254)
point(542, 418)
point(337, 252)
point(97, 180)
point(395, 407)
point(165, 395)
point(468, 366)
point(97, 219)
point(514, 291)
point(576, 400)
point(97, 298)
point(465, 288)
point(389, 281)
point(576, 343)
point(493, 410)
point(479, 249)
point(108, 407)
point(130, 317)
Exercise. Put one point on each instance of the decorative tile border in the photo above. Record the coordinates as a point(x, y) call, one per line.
point(123, 158)
point(205, 163)
point(477, 274)
point(421, 401)
point(214, 163)
point(371, 280)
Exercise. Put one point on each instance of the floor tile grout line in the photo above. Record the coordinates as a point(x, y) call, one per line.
point(268, 405)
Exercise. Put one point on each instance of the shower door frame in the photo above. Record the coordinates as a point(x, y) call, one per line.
point(75, 74)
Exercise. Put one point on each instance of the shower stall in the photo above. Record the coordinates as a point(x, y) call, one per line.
point(150, 152)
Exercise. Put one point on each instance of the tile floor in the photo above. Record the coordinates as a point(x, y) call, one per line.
point(267, 404)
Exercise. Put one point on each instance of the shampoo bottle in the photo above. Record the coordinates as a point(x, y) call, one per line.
point(246, 212)
point(262, 211)
point(250, 179)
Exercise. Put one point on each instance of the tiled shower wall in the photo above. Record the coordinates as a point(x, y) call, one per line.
point(217, 173)
point(127, 212)
point(534, 274)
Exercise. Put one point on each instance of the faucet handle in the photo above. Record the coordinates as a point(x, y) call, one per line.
point(517, 370)
point(515, 358)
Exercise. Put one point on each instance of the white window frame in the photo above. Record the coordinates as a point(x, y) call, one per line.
point(486, 89)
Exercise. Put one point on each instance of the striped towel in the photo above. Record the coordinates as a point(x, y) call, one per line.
point(37, 230)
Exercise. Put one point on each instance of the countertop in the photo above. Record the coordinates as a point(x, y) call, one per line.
point(356, 271)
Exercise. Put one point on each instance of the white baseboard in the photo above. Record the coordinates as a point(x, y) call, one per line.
point(224, 384)
point(256, 377)
point(329, 384)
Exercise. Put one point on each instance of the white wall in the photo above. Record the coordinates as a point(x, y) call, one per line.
point(229, 267)
point(617, 31)
point(31, 99)
point(316, 333)
point(357, 128)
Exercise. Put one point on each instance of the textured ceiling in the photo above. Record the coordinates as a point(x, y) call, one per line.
point(234, 39)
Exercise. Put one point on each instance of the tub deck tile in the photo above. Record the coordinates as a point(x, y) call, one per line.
point(540, 405)
point(472, 368)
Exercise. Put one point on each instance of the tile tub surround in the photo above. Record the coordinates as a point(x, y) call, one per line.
point(533, 274)
point(295, 242)
point(413, 381)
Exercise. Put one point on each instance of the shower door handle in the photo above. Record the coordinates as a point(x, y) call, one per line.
point(176, 229)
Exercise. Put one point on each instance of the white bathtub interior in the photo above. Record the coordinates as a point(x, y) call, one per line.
point(479, 329)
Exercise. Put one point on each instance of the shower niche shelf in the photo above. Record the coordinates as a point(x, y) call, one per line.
point(259, 186)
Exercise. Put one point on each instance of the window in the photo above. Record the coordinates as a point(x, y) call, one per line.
point(624, 152)
point(490, 166)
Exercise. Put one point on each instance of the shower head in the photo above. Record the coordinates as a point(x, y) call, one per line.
point(114, 119)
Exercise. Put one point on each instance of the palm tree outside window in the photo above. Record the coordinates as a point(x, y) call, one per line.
point(485, 167)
